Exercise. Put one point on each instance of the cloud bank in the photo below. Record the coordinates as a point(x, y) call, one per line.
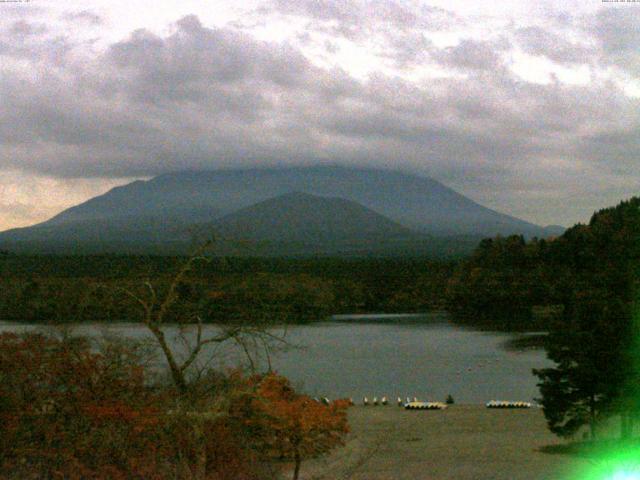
point(537, 117)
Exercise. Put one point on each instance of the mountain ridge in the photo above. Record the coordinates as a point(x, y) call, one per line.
point(163, 208)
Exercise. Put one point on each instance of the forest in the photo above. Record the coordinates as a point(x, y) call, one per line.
point(588, 281)
point(507, 283)
point(511, 278)
point(59, 289)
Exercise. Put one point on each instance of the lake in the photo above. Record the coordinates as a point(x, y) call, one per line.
point(424, 356)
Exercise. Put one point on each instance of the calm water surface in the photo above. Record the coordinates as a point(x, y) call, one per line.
point(391, 355)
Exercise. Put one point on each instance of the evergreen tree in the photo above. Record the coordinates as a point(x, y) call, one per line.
point(588, 346)
point(595, 345)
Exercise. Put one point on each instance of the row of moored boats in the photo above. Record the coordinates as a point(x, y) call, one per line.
point(415, 404)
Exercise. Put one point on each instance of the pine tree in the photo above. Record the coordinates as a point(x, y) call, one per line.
point(589, 347)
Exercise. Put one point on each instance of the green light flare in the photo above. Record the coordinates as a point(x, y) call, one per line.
point(621, 463)
point(619, 459)
point(626, 476)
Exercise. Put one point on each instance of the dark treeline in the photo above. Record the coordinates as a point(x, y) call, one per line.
point(506, 283)
point(587, 280)
point(595, 342)
point(503, 282)
point(50, 288)
point(508, 280)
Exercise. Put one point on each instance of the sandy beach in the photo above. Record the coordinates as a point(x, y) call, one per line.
point(464, 442)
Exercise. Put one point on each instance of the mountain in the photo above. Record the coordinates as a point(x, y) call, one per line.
point(160, 212)
point(414, 201)
point(301, 224)
point(125, 233)
point(310, 219)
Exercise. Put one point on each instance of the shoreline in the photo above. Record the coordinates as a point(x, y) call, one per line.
point(463, 442)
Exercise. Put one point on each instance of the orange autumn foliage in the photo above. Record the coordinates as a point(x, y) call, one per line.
point(68, 412)
point(293, 426)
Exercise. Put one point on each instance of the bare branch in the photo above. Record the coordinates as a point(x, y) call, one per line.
point(200, 343)
point(147, 307)
point(242, 345)
point(251, 339)
point(171, 295)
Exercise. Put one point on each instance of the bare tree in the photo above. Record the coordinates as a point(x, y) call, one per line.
point(250, 335)
point(247, 335)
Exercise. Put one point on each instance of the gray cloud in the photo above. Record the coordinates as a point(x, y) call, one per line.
point(83, 16)
point(617, 31)
point(21, 29)
point(617, 28)
point(397, 27)
point(540, 41)
point(34, 42)
point(473, 54)
point(359, 15)
point(203, 97)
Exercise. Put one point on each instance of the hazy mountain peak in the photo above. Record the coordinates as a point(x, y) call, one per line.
point(374, 198)
point(303, 217)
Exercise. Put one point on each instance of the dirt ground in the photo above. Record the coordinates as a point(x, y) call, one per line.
point(461, 443)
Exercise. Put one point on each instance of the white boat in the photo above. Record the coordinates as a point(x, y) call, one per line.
point(507, 404)
point(425, 406)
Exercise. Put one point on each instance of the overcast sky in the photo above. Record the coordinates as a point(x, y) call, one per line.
point(528, 107)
